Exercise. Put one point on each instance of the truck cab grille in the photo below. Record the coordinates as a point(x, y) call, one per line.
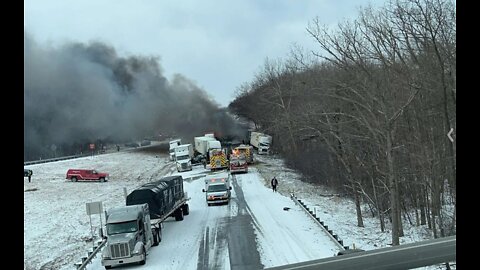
point(119, 250)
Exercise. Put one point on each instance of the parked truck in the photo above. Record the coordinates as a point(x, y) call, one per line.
point(183, 157)
point(217, 188)
point(238, 163)
point(171, 150)
point(75, 175)
point(261, 142)
point(133, 229)
point(201, 144)
point(217, 157)
point(247, 150)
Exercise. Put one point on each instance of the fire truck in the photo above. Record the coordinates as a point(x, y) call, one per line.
point(238, 163)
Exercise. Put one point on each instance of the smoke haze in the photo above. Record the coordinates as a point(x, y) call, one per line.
point(82, 93)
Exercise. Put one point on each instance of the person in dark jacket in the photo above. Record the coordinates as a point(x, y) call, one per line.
point(274, 184)
point(28, 173)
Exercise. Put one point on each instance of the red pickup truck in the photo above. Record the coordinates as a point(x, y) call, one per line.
point(80, 174)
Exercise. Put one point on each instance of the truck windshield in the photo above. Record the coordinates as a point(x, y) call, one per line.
point(182, 157)
point(124, 227)
point(215, 188)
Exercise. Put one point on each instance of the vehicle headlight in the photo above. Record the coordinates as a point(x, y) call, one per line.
point(137, 250)
point(105, 254)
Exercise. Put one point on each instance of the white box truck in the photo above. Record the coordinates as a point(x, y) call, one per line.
point(183, 157)
point(201, 144)
point(261, 142)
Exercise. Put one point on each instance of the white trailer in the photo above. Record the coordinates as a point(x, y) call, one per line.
point(201, 144)
point(261, 142)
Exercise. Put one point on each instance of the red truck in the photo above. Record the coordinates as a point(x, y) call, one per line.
point(238, 163)
point(80, 174)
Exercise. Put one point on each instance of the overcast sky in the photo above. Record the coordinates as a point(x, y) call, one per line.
point(218, 44)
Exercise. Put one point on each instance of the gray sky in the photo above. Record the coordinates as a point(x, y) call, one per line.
point(218, 44)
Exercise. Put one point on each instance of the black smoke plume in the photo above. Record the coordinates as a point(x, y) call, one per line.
point(78, 94)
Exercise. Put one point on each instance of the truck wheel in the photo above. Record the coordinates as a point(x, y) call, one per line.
point(102, 179)
point(159, 235)
point(185, 209)
point(108, 267)
point(179, 214)
point(155, 238)
point(142, 262)
point(74, 179)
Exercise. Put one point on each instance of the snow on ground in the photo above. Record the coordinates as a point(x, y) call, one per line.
point(279, 241)
point(57, 229)
point(338, 213)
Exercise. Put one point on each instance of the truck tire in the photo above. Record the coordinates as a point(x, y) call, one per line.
point(102, 179)
point(185, 209)
point(179, 214)
point(157, 237)
point(142, 262)
point(108, 267)
point(74, 179)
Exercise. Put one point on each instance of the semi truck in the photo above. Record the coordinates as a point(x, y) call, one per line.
point(261, 142)
point(183, 157)
point(217, 188)
point(133, 229)
point(171, 150)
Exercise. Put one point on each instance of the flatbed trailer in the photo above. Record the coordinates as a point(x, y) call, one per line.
point(133, 229)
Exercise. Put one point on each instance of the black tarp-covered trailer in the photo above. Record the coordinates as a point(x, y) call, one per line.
point(177, 183)
point(161, 195)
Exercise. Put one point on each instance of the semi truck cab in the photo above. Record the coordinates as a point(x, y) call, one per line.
point(129, 235)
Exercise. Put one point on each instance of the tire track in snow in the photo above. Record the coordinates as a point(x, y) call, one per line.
point(203, 251)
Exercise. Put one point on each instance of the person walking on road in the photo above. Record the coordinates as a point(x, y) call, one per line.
point(274, 184)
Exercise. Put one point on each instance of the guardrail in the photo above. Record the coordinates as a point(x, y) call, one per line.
point(329, 232)
point(53, 159)
point(406, 256)
point(91, 254)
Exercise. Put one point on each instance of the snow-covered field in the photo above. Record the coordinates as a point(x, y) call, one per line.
point(57, 230)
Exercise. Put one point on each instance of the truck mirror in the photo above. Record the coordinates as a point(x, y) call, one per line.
point(230, 188)
point(203, 190)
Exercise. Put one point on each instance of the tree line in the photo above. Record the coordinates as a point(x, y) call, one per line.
point(368, 113)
